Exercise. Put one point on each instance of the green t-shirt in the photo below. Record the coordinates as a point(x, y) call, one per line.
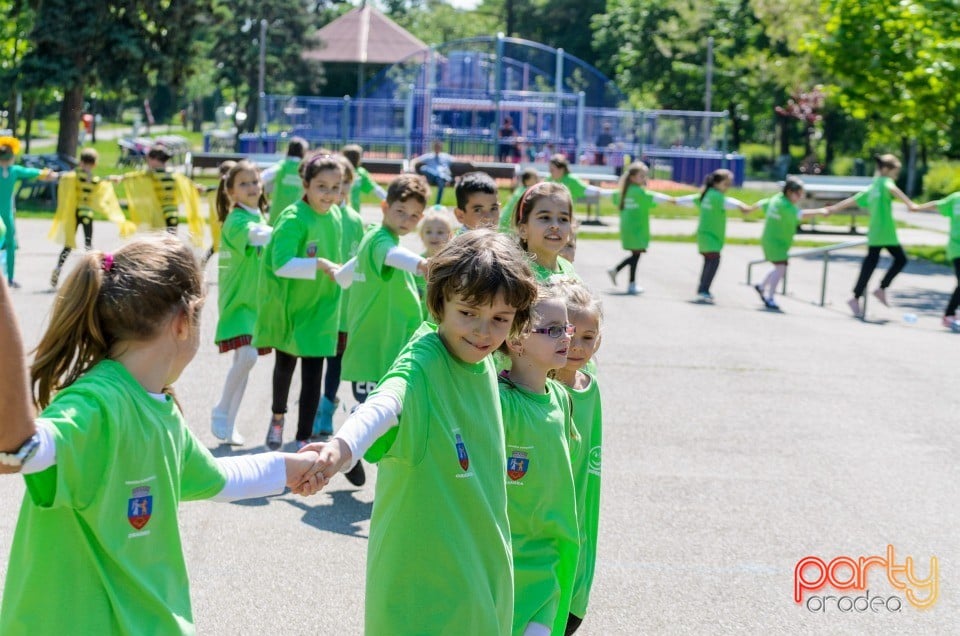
point(97, 548)
point(541, 503)
point(780, 225)
point(363, 184)
point(239, 275)
point(712, 228)
point(544, 275)
point(506, 216)
point(878, 200)
point(384, 310)
point(586, 461)
point(287, 188)
point(300, 316)
point(576, 187)
point(438, 558)
point(352, 235)
point(635, 218)
point(950, 206)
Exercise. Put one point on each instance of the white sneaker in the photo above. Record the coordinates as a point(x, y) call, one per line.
point(881, 295)
point(633, 290)
point(854, 304)
point(219, 426)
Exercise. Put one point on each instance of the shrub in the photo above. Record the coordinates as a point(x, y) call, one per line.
point(943, 178)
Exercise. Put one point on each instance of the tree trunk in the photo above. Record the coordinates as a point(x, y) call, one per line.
point(784, 136)
point(734, 127)
point(70, 111)
point(13, 120)
point(28, 117)
point(198, 115)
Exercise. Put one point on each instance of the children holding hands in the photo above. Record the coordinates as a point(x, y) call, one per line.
point(97, 548)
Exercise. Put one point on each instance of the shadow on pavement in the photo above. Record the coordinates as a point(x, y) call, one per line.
point(342, 516)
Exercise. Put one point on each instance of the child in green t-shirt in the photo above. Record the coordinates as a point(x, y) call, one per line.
point(299, 314)
point(241, 209)
point(712, 224)
point(528, 177)
point(882, 230)
point(363, 182)
point(559, 169)
point(585, 314)
point(782, 217)
point(635, 203)
point(478, 201)
point(950, 207)
point(384, 308)
point(436, 230)
point(541, 495)
point(544, 223)
point(284, 178)
point(97, 549)
point(438, 558)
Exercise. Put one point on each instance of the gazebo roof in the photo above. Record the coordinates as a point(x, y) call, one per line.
point(364, 35)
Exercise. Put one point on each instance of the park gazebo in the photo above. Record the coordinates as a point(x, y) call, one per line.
point(364, 36)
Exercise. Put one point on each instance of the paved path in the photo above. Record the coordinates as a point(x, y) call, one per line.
point(737, 442)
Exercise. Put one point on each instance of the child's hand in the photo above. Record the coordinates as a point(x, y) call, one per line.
point(334, 455)
point(424, 267)
point(304, 473)
point(328, 267)
point(115, 178)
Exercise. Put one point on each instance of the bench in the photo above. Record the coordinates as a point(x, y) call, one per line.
point(822, 190)
point(211, 160)
point(385, 166)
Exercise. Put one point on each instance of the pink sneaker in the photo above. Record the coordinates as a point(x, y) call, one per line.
point(854, 304)
point(881, 294)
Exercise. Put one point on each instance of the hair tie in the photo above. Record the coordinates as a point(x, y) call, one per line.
point(107, 262)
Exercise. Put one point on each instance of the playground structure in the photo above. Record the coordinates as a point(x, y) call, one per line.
point(462, 91)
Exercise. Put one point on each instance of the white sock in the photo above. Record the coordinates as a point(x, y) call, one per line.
point(236, 383)
point(772, 280)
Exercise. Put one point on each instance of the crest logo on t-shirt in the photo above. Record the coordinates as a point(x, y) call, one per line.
point(462, 453)
point(139, 507)
point(312, 249)
point(517, 465)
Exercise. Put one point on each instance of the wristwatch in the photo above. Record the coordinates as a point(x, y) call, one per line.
point(22, 454)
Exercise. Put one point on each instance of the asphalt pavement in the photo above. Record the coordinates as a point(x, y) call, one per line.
point(737, 442)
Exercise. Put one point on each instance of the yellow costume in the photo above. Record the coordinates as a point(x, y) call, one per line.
point(153, 197)
point(81, 196)
point(213, 220)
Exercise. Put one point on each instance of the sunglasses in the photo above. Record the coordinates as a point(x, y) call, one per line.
point(555, 331)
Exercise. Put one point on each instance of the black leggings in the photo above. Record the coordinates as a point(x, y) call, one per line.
point(870, 264)
point(711, 263)
point(955, 299)
point(85, 223)
point(310, 372)
point(631, 261)
point(331, 383)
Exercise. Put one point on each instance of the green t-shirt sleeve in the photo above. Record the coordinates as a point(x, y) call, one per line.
point(945, 207)
point(762, 204)
point(236, 229)
point(286, 241)
point(366, 183)
point(78, 424)
point(379, 247)
point(26, 174)
point(200, 475)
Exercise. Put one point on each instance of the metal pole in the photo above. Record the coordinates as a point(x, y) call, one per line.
point(408, 121)
point(345, 120)
point(498, 95)
point(708, 94)
point(558, 89)
point(262, 115)
point(581, 103)
point(823, 280)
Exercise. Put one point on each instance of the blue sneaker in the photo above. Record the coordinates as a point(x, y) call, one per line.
point(323, 422)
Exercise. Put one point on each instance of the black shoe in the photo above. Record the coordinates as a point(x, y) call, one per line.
point(771, 305)
point(760, 291)
point(357, 475)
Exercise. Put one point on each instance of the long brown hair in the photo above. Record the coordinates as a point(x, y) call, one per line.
point(635, 168)
point(712, 179)
point(112, 298)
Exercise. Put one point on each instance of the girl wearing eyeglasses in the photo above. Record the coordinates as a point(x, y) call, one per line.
point(541, 499)
point(300, 302)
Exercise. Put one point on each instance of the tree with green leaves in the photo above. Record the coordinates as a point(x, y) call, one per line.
point(81, 44)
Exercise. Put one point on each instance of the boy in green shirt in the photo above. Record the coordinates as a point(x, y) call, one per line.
point(438, 559)
point(384, 309)
point(363, 183)
point(528, 177)
point(478, 201)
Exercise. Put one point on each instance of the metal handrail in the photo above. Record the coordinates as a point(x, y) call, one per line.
point(826, 250)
